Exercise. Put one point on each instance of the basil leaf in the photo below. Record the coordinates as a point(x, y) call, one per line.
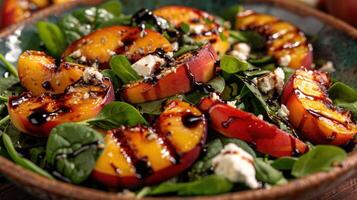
point(113, 6)
point(344, 96)
point(267, 174)
point(232, 65)
point(52, 36)
point(208, 185)
point(116, 114)
point(122, 68)
point(72, 149)
point(284, 163)
point(23, 162)
point(318, 159)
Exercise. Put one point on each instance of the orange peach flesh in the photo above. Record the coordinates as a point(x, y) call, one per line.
point(283, 38)
point(313, 113)
point(101, 45)
point(155, 148)
point(37, 115)
point(38, 73)
point(177, 15)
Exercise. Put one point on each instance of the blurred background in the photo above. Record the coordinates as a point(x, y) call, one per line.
point(13, 11)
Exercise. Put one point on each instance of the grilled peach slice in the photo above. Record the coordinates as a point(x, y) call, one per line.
point(99, 46)
point(315, 116)
point(191, 70)
point(235, 123)
point(204, 26)
point(142, 155)
point(283, 38)
point(37, 115)
point(38, 73)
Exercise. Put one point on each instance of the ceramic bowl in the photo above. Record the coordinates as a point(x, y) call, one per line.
point(331, 38)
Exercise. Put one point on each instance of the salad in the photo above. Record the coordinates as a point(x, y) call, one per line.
point(174, 101)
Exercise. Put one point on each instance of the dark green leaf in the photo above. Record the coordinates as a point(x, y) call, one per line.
point(284, 163)
point(344, 96)
point(114, 79)
point(52, 36)
point(254, 39)
point(116, 114)
point(185, 27)
point(319, 159)
point(184, 49)
point(260, 60)
point(152, 107)
point(72, 149)
point(230, 14)
point(232, 65)
point(18, 159)
point(113, 6)
point(122, 68)
point(8, 66)
point(122, 20)
point(6, 83)
point(208, 185)
point(267, 174)
point(218, 84)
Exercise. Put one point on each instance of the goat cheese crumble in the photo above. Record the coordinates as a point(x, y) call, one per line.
point(283, 112)
point(241, 51)
point(285, 60)
point(274, 81)
point(328, 67)
point(146, 65)
point(92, 75)
point(236, 165)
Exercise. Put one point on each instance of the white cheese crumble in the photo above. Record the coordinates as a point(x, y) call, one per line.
point(328, 67)
point(215, 97)
point(146, 65)
point(236, 165)
point(197, 28)
point(283, 112)
point(232, 103)
point(175, 46)
point(76, 54)
point(285, 60)
point(271, 82)
point(92, 75)
point(261, 117)
point(241, 51)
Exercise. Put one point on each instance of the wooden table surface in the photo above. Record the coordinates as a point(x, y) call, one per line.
point(346, 191)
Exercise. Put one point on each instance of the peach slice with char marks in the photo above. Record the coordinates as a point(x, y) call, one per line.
point(38, 73)
point(100, 45)
point(37, 115)
point(141, 155)
point(209, 30)
point(314, 114)
point(192, 69)
point(267, 138)
point(283, 38)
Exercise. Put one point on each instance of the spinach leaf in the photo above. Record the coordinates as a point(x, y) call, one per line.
point(260, 60)
point(116, 21)
point(52, 36)
point(8, 66)
point(232, 65)
point(254, 39)
point(284, 163)
point(208, 185)
point(122, 68)
point(23, 162)
point(114, 79)
point(218, 84)
point(81, 22)
point(152, 107)
point(113, 6)
point(184, 49)
point(267, 174)
point(116, 114)
point(344, 96)
point(72, 149)
point(230, 14)
point(185, 27)
point(318, 159)
point(6, 83)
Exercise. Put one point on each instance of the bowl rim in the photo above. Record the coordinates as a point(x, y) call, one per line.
point(56, 187)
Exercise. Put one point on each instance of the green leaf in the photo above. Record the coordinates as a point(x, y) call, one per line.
point(230, 14)
point(254, 39)
point(232, 65)
point(267, 174)
point(113, 6)
point(319, 159)
point(152, 107)
point(116, 114)
point(114, 79)
point(8, 66)
point(185, 27)
point(218, 84)
point(52, 36)
point(260, 60)
point(72, 149)
point(122, 68)
point(6, 83)
point(18, 159)
point(122, 20)
point(344, 96)
point(284, 163)
point(209, 185)
point(184, 49)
